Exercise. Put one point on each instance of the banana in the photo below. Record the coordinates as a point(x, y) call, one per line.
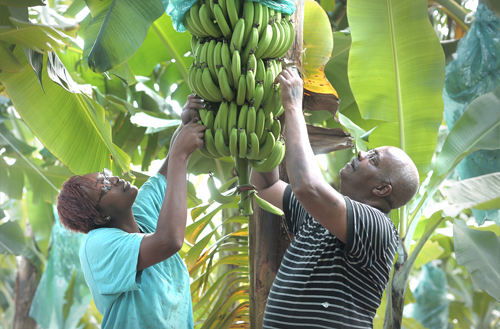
point(236, 66)
point(223, 114)
point(210, 59)
point(232, 117)
point(266, 149)
point(268, 80)
point(221, 21)
point(209, 120)
point(210, 143)
point(238, 34)
point(217, 57)
point(260, 71)
point(210, 86)
point(274, 41)
point(208, 24)
point(269, 122)
point(252, 63)
point(233, 140)
point(194, 20)
point(232, 12)
point(191, 26)
point(202, 57)
point(220, 144)
point(190, 79)
point(277, 106)
point(271, 100)
point(264, 41)
point(203, 114)
point(223, 6)
point(280, 42)
point(216, 194)
point(276, 128)
point(248, 14)
point(290, 38)
point(242, 117)
point(242, 142)
point(258, 16)
point(280, 111)
point(226, 62)
point(284, 40)
point(200, 88)
point(259, 123)
point(258, 94)
point(205, 152)
point(250, 81)
point(278, 15)
point(265, 20)
point(225, 88)
point(210, 6)
point(195, 42)
point(251, 119)
point(253, 151)
point(273, 160)
point(241, 90)
point(264, 205)
point(251, 46)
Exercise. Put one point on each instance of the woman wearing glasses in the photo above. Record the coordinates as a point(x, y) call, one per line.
point(129, 256)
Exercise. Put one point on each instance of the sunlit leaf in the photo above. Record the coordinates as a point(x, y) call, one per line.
point(396, 73)
point(478, 252)
point(482, 192)
point(12, 239)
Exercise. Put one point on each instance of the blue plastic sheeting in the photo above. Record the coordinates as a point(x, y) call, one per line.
point(432, 306)
point(475, 71)
point(177, 8)
point(63, 263)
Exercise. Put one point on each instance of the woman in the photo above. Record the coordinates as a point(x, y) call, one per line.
point(129, 256)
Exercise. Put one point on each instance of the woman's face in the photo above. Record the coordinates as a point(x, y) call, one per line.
point(111, 194)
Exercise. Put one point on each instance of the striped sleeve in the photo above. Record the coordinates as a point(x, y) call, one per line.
point(294, 213)
point(371, 236)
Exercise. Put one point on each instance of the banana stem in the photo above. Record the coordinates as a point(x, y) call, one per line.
point(242, 170)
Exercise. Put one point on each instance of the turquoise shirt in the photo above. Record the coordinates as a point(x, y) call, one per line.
point(156, 297)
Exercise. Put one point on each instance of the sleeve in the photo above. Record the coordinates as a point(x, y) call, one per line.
point(110, 257)
point(371, 236)
point(149, 200)
point(294, 213)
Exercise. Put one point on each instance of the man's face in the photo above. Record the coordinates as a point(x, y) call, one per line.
point(363, 173)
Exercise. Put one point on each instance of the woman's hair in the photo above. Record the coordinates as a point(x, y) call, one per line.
point(77, 211)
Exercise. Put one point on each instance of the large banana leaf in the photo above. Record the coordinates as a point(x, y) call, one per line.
point(117, 30)
point(478, 128)
point(396, 72)
point(482, 192)
point(71, 125)
point(478, 252)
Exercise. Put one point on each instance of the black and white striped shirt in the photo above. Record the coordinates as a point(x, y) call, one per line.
point(325, 283)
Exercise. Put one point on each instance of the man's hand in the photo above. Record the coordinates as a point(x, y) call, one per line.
point(292, 89)
point(190, 109)
point(189, 139)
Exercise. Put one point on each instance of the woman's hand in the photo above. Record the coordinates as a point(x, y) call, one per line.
point(292, 89)
point(190, 109)
point(190, 138)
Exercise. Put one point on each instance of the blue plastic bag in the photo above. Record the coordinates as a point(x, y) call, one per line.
point(475, 71)
point(177, 8)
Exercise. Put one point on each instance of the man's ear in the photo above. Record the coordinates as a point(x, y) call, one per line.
point(382, 190)
point(101, 220)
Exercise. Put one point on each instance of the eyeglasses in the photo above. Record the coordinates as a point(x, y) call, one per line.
point(373, 156)
point(106, 183)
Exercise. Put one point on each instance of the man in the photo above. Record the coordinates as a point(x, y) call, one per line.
point(335, 270)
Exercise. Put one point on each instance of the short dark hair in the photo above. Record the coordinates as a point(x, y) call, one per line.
point(405, 182)
point(76, 210)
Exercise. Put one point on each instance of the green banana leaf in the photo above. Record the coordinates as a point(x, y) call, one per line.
point(478, 128)
point(22, 3)
point(110, 38)
point(12, 240)
point(478, 252)
point(71, 125)
point(482, 192)
point(396, 72)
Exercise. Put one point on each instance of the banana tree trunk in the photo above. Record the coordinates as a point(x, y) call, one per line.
point(268, 236)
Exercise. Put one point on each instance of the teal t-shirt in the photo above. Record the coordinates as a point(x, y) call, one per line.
point(156, 297)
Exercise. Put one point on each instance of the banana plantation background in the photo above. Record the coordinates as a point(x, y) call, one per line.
point(93, 84)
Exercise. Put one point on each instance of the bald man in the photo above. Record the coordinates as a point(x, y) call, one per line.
point(334, 272)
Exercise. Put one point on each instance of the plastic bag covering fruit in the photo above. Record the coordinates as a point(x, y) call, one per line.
point(474, 72)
